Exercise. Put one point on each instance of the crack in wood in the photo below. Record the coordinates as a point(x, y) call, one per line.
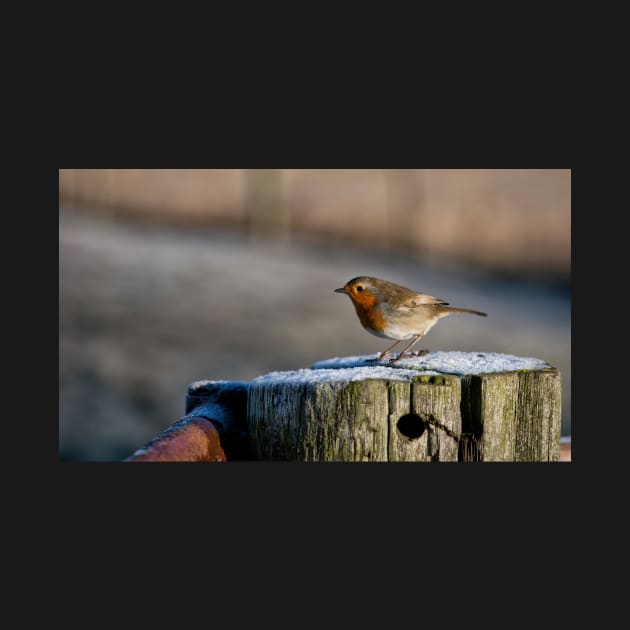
point(432, 421)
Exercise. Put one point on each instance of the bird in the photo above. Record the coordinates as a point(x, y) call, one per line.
point(391, 311)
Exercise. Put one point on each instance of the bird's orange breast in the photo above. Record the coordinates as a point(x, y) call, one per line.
point(370, 316)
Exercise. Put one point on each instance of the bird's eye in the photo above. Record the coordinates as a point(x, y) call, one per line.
point(360, 288)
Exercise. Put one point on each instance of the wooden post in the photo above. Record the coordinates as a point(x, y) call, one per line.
point(353, 410)
point(442, 407)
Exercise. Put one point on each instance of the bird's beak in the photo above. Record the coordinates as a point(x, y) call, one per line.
point(342, 290)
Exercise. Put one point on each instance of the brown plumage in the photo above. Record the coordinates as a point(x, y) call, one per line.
point(389, 310)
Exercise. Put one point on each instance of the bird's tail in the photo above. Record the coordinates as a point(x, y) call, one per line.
point(452, 309)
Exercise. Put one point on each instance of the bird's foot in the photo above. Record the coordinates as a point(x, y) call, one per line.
point(406, 355)
point(419, 353)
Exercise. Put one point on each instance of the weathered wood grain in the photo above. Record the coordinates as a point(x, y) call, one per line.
point(274, 415)
point(356, 421)
point(437, 400)
point(512, 416)
point(344, 422)
point(403, 448)
point(515, 415)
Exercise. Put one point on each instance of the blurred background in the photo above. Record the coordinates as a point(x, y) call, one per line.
point(172, 276)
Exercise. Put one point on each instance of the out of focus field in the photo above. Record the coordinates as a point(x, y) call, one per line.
point(168, 277)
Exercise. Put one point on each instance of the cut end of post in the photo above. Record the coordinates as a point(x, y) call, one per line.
point(453, 362)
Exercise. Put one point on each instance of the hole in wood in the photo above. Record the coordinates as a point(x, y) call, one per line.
point(411, 426)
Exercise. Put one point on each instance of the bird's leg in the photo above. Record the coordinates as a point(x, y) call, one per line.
point(411, 343)
point(380, 356)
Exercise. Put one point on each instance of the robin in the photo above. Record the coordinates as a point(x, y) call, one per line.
point(391, 311)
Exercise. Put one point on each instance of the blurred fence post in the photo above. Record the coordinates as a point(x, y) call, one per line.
point(265, 202)
point(405, 204)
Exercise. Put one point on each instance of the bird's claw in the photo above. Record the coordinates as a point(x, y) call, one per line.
point(420, 353)
point(406, 355)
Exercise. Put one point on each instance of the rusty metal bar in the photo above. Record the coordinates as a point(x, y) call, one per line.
point(213, 430)
point(192, 439)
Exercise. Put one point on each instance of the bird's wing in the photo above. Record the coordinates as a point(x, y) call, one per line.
point(420, 299)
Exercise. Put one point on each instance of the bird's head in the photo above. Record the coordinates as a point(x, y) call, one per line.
point(361, 290)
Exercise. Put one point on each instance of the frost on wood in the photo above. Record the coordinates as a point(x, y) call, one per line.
point(444, 406)
point(340, 374)
point(461, 363)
